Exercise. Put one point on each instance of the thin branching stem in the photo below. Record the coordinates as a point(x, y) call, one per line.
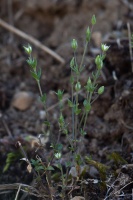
point(80, 67)
point(39, 87)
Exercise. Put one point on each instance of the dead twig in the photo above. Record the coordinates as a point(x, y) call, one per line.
point(10, 16)
point(31, 40)
point(25, 188)
point(18, 192)
point(127, 126)
point(123, 188)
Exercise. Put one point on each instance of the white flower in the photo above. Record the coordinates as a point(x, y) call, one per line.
point(57, 155)
point(104, 47)
point(28, 49)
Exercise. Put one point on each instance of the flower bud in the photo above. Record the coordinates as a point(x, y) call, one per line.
point(89, 81)
point(93, 20)
point(99, 62)
point(77, 86)
point(74, 44)
point(101, 90)
point(88, 34)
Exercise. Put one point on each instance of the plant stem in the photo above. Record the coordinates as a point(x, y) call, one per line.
point(39, 86)
point(44, 105)
point(89, 97)
point(86, 114)
point(82, 60)
point(85, 49)
point(78, 75)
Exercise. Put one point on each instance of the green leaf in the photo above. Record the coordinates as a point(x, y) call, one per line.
point(59, 147)
point(116, 157)
point(65, 131)
point(82, 132)
point(61, 120)
point(72, 62)
point(50, 168)
point(56, 177)
point(78, 159)
point(68, 164)
point(87, 105)
point(34, 162)
point(75, 69)
point(38, 168)
point(59, 94)
point(32, 63)
point(46, 123)
point(76, 110)
point(58, 166)
point(89, 87)
point(35, 76)
point(39, 73)
point(11, 157)
point(43, 98)
point(70, 104)
point(82, 68)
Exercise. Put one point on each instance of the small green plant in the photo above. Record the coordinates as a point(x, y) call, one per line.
point(99, 166)
point(117, 159)
point(11, 158)
point(79, 114)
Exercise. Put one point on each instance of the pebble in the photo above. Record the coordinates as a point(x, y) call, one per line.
point(97, 38)
point(42, 114)
point(22, 100)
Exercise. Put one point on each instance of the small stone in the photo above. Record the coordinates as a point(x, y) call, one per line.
point(93, 172)
point(74, 173)
point(97, 38)
point(42, 114)
point(22, 100)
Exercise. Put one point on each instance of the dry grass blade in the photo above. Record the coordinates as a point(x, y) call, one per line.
point(18, 192)
point(31, 40)
point(25, 188)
